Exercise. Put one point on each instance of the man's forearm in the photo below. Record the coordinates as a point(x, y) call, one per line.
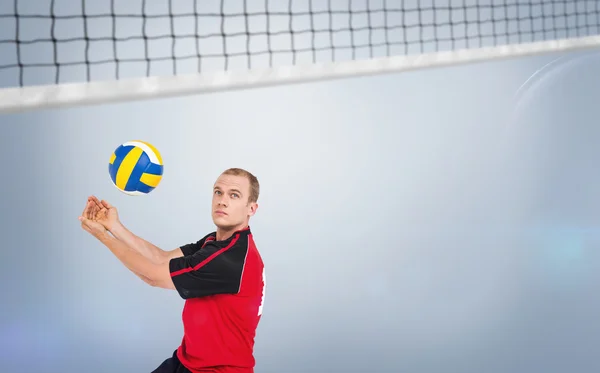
point(145, 248)
point(152, 273)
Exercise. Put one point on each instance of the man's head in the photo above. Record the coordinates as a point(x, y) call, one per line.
point(235, 196)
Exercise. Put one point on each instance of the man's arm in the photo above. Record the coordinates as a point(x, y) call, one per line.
point(107, 215)
point(154, 274)
point(216, 269)
point(144, 278)
point(145, 248)
point(152, 252)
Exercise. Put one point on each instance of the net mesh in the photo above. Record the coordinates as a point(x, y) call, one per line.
point(62, 41)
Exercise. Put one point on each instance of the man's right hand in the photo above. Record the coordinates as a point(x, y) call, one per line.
point(105, 213)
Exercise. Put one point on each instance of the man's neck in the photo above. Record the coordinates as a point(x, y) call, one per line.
point(223, 234)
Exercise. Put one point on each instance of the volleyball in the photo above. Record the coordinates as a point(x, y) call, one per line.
point(135, 168)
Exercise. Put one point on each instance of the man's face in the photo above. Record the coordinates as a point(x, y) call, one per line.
point(230, 207)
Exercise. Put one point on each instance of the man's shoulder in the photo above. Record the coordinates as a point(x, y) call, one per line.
point(238, 237)
point(242, 238)
point(193, 247)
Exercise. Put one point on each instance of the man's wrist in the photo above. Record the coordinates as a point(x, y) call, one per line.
point(116, 228)
point(105, 237)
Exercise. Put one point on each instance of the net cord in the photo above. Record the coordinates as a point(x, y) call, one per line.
point(27, 98)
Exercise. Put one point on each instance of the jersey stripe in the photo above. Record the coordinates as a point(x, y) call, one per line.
point(207, 260)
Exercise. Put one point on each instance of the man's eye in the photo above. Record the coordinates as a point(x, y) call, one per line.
point(235, 195)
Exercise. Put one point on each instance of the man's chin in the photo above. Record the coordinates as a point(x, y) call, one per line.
point(222, 222)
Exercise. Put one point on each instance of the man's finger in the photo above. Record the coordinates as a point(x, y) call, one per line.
point(88, 210)
point(100, 214)
point(85, 209)
point(106, 204)
point(83, 221)
point(96, 201)
point(91, 226)
point(91, 210)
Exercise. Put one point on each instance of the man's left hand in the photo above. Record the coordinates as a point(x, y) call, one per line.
point(88, 222)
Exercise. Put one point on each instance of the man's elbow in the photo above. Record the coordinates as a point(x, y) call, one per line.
point(162, 279)
point(163, 284)
point(157, 283)
point(159, 276)
point(149, 282)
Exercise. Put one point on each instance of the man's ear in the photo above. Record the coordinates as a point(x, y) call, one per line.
point(253, 208)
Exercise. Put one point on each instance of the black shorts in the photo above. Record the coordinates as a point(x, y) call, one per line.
point(171, 365)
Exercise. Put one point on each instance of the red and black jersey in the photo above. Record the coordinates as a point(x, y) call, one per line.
point(222, 283)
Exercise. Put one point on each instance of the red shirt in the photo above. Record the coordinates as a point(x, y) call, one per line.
point(223, 284)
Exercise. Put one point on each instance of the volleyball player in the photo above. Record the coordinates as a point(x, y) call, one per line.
point(221, 276)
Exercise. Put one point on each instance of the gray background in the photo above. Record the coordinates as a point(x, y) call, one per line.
point(415, 222)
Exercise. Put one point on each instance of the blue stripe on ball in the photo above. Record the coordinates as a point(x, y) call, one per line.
point(154, 169)
point(134, 179)
point(144, 188)
point(120, 154)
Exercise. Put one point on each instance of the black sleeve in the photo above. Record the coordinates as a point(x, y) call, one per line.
point(191, 248)
point(216, 269)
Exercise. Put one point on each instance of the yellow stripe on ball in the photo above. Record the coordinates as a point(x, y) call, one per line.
point(150, 179)
point(127, 166)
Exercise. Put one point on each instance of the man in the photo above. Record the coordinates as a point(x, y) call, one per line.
point(221, 276)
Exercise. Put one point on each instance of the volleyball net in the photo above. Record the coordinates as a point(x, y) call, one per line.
point(75, 52)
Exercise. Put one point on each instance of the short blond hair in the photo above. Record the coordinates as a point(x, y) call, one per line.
point(254, 185)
